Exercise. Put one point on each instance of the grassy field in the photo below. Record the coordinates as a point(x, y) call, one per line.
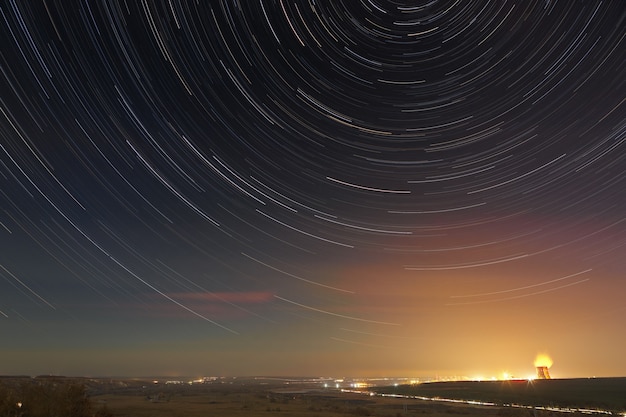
point(301, 405)
point(597, 393)
point(263, 400)
point(234, 397)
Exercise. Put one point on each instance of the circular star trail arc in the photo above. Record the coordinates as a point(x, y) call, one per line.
point(267, 146)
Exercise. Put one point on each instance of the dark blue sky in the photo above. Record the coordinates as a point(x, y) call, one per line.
point(312, 187)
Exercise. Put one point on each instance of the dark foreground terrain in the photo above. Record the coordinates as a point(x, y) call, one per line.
point(263, 397)
point(589, 394)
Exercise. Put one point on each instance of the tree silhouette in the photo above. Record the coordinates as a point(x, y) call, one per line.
point(45, 399)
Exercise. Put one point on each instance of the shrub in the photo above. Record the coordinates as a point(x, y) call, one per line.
point(44, 399)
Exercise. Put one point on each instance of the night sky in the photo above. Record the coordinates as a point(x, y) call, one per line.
point(327, 188)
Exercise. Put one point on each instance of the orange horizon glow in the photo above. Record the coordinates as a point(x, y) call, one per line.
point(543, 360)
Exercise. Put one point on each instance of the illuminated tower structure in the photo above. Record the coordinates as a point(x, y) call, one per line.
point(543, 362)
point(542, 372)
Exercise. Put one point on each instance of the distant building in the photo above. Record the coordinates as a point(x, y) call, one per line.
point(542, 372)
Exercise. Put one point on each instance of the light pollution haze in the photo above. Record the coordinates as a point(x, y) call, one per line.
point(338, 188)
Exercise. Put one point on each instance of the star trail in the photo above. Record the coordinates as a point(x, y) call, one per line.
point(283, 187)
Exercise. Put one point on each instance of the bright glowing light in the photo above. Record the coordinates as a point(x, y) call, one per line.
point(543, 360)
